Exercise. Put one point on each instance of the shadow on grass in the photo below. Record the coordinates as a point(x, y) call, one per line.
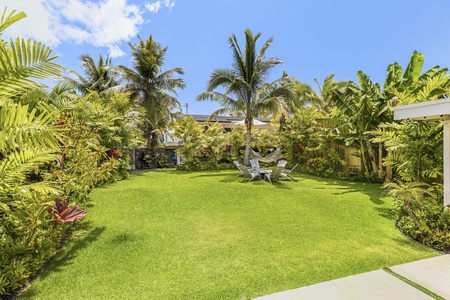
point(417, 246)
point(232, 177)
point(373, 190)
point(385, 212)
point(138, 172)
point(341, 187)
point(65, 256)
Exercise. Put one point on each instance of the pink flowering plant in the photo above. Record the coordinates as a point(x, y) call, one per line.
point(62, 213)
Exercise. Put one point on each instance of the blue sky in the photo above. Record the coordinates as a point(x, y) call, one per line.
point(315, 38)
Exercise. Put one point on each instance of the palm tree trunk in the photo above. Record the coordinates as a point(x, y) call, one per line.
point(247, 146)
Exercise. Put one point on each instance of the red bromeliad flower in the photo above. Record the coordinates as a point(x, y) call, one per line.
point(61, 121)
point(114, 152)
point(65, 214)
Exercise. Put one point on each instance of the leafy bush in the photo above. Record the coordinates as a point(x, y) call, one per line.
point(427, 223)
point(52, 144)
point(29, 235)
point(419, 213)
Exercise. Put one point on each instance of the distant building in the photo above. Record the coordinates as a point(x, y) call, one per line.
point(230, 122)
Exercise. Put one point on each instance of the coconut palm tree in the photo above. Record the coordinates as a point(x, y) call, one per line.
point(152, 87)
point(246, 91)
point(98, 77)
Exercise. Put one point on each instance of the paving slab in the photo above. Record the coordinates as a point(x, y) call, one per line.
point(372, 285)
point(432, 273)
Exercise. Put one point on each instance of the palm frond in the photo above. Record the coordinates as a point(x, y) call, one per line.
point(222, 99)
point(20, 128)
point(11, 18)
point(15, 166)
point(22, 60)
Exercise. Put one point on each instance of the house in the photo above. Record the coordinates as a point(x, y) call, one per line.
point(231, 122)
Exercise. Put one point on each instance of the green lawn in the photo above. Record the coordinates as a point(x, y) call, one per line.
point(206, 235)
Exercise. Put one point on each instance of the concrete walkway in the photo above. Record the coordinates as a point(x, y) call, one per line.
point(432, 274)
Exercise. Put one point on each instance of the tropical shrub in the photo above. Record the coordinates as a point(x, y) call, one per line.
point(83, 161)
point(154, 159)
point(415, 156)
point(431, 226)
point(28, 239)
point(209, 147)
point(50, 144)
point(419, 212)
point(237, 143)
point(28, 141)
point(188, 130)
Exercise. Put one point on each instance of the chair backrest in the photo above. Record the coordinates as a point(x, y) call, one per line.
point(282, 163)
point(276, 172)
point(255, 165)
point(236, 163)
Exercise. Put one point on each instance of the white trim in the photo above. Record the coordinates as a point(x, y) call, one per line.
point(423, 111)
point(446, 161)
point(432, 111)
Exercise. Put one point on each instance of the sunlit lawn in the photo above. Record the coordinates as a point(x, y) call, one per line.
point(207, 235)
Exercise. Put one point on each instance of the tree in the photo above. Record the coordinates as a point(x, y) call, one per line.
point(152, 87)
point(410, 86)
point(246, 92)
point(411, 146)
point(322, 99)
point(361, 108)
point(98, 77)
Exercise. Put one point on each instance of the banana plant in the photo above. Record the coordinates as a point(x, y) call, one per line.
point(410, 86)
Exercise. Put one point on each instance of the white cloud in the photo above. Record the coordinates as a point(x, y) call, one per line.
point(36, 25)
point(102, 23)
point(115, 51)
point(155, 7)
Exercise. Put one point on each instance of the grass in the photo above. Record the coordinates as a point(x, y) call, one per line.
point(206, 235)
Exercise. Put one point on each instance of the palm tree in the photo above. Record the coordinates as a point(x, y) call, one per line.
point(98, 77)
point(152, 87)
point(246, 82)
point(324, 98)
